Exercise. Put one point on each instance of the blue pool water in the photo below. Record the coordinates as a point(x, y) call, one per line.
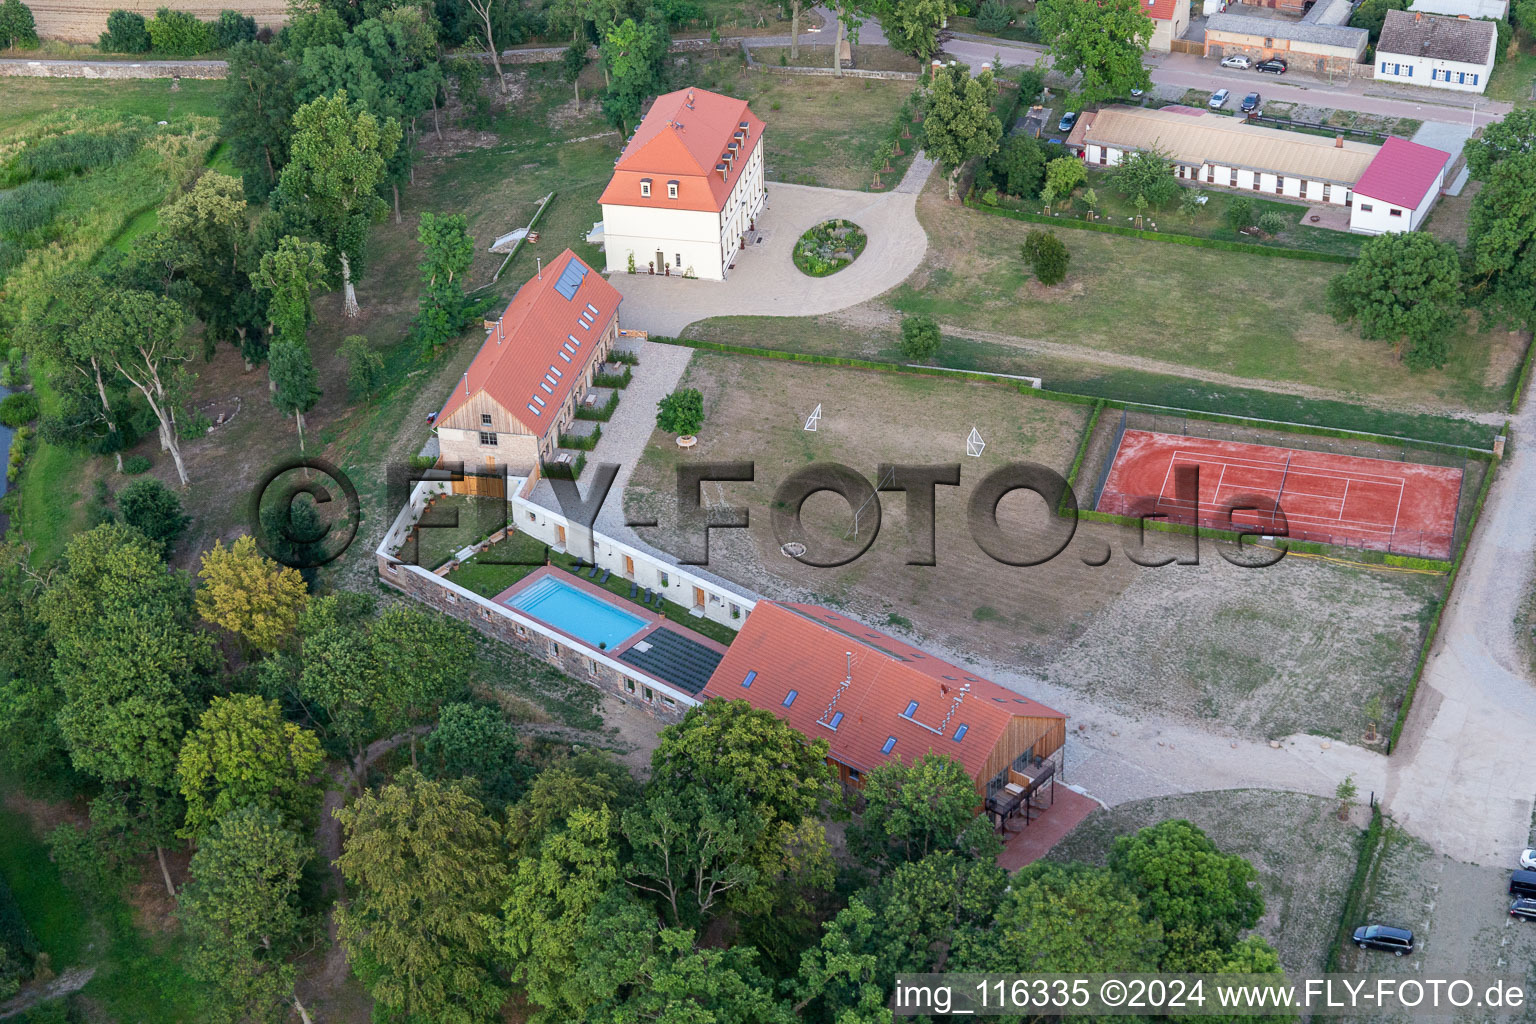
point(577, 612)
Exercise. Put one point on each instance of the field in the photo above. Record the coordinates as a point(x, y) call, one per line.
point(1278, 661)
point(1303, 853)
point(82, 21)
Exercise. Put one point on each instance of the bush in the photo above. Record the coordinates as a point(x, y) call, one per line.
point(133, 465)
point(126, 33)
point(681, 412)
point(1047, 256)
point(153, 508)
point(365, 367)
point(17, 29)
point(1273, 222)
point(233, 27)
point(993, 16)
point(1240, 213)
point(1149, 174)
point(19, 409)
point(29, 207)
point(920, 338)
point(179, 34)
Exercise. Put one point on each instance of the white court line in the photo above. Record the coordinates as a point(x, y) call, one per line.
point(1338, 455)
point(1304, 470)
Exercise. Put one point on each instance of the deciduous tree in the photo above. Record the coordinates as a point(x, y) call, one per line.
point(447, 252)
point(477, 741)
point(256, 108)
point(1103, 40)
point(243, 753)
point(959, 125)
point(1047, 255)
point(690, 849)
point(912, 26)
point(18, 31)
point(920, 337)
point(1406, 289)
point(1501, 240)
point(153, 509)
point(912, 810)
point(1149, 174)
point(634, 54)
point(250, 595)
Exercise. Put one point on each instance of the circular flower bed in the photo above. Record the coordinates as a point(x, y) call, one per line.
point(829, 247)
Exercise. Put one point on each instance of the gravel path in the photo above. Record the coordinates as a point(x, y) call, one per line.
point(1463, 778)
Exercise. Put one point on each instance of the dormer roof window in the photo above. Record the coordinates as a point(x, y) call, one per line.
point(645, 187)
point(671, 190)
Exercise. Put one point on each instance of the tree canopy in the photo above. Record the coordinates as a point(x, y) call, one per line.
point(1104, 41)
point(250, 595)
point(913, 810)
point(959, 124)
point(243, 754)
point(1406, 289)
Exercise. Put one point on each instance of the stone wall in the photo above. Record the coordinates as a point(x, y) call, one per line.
point(21, 68)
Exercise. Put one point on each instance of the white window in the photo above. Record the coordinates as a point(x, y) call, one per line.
point(453, 598)
point(554, 649)
point(665, 580)
point(487, 438)
point(671, 190)
point(645, 187)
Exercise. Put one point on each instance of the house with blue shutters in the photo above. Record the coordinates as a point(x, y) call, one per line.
point(1436, 52)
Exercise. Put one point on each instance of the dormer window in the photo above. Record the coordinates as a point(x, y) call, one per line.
point(671, 190)
point(645, 188)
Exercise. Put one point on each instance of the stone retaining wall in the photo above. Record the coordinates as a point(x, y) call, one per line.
point(22, 68)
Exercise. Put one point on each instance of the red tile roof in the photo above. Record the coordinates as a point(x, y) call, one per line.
point(1402, 173)
point(682, 138)
point(1161, 10)
point(813, 650)
point(542, 342)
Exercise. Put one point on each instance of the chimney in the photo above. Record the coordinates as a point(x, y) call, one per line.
point(1338, 142)
point(540, 262)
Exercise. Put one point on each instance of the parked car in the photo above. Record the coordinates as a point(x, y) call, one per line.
point(1219, 99)
point(1528, 860)
point(1238, 61)
point(1250, 102)
point(1524, 907)
point(1398, 941)
point(1067, 121)
point(1522, 883)
point(1276, 66)
point(1137, 94)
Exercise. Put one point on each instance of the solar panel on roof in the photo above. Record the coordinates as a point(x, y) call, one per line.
point(570, 279)
point(675, 658)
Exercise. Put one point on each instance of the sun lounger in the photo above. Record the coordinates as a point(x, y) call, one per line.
point(593, 574)
point(634, 588)
point(606, 574)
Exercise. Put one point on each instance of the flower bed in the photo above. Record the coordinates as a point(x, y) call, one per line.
point(829, 247)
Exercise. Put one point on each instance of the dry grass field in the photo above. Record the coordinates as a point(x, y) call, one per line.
point(83, 21)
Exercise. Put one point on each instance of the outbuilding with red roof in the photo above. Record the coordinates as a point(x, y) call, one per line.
point(1398, 187)
point(1169, 20)
point(687, 189)
point(537, 364)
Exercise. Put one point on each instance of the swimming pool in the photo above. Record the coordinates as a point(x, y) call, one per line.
point(574, 611)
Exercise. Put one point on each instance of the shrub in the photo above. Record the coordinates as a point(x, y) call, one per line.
point(681, 412)
point(153, 508)
point(179, 34)
point(1240, 213)
point(1273, 222)
point(19, 409)
point(1146, 173)
point(1047, 256)
point(17, 29)
point(233, 27)
point(993, 16)
point(63, 155)
point(133, 465)
point(365, 367)
point(28, 207)
point(919, 338)
point(126, 33)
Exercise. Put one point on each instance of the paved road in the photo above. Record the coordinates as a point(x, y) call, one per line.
point(1187, 71)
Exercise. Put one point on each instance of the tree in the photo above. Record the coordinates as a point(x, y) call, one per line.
point(447, 252)
point(912, 26)
point(295, 382)
point(1191, 202)
point(30, 698)
point(489, 12)
point(1149, 174)
point(1501, 240)
point(179, 33)
point(153, 509)
point(1406, 289)
point(911, 811)
point(427, 868)
point(242, 754)
point(1345, 793)
point(635, 55)
point(1371, 15)
point(920, 338)
point(233, 28)
point(365, 367)
point(1511, 137)
point(241, 913)
point(572, 63)
point(671, 980)
point(1103, 42)
point(1201, 897)
point(690, 848)
point(1018, 168)
point(125, 33)
point(212, 221)
point(476, 741)
point(960, 125)
point(1064, 176)
point(1239, 213)
point(250, 595)
point(256, 108)
point(1063, 917)
point(141, 336)
point(339, 154)
point(422, 660)
point(289, 274)
point(17, 29)
point(1047, 256)
point(993, 16)
point(681, 412)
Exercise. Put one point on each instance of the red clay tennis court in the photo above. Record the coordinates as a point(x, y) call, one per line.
point(1404, 507)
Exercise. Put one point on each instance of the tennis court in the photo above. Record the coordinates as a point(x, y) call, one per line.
point(1349, 500)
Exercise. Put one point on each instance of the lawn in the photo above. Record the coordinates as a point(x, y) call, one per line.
point(819, 55)
point(1240, 315)
point(27, 99)
point(1303, 854)
point(1514, 80)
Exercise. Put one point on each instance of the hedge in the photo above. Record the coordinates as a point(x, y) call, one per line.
point(585, 443)
point(1434, 629)
point(1082, 448)
point(1524, 378)
point(562, 471)
point(1370, 841)
point(1160, 236)
point(602, 413)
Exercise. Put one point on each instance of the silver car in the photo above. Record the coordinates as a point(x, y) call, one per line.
point(1239, 61)
point(1219, 99)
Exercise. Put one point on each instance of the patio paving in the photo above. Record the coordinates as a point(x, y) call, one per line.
point(1025, 844)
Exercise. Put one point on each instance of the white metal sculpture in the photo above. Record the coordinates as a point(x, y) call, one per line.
point(974, 445)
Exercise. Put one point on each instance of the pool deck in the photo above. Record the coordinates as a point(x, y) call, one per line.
point(653, 620)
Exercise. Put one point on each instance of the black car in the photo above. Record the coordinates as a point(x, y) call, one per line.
point(1381, 936)
point(1250, 102)
point(1275, 66)
point(1524, 907)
